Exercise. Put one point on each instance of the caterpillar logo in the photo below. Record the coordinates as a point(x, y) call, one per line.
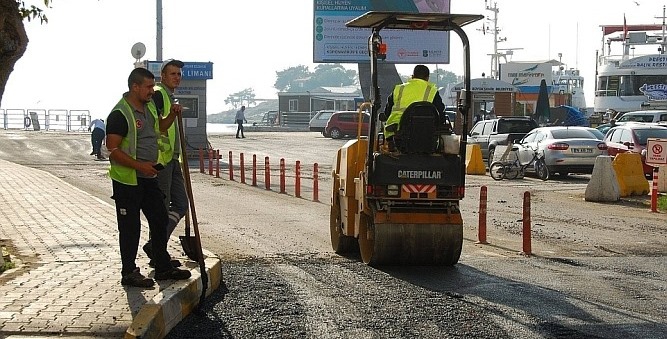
point(420, 174)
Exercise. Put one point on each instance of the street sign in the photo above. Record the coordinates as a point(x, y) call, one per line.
point(656, 152)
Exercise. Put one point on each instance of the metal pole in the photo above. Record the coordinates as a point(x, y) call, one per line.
point(158, 35)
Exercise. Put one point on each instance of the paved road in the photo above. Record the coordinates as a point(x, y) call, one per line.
point(598, 269)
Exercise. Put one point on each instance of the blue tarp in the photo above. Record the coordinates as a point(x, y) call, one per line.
point(568, 116)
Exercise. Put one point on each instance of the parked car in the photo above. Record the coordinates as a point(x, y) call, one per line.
point(344, 123)
point(633, 138)
point(643, 116)
point(319, 121)
point(567, 149)
point(500, 131)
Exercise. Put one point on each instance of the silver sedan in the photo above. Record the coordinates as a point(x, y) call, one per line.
point(567, 149)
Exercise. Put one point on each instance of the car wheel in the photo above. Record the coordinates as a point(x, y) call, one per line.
point(335, 133)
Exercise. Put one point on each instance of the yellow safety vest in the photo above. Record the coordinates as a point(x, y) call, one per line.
point(404, 94)
point(120, 173)
point(170, 139)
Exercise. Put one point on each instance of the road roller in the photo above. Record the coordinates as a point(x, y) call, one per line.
point(398, 204)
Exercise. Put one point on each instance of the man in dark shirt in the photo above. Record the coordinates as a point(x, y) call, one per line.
point(133, 129)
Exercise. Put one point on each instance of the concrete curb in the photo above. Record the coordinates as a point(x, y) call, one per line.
point(157, 317)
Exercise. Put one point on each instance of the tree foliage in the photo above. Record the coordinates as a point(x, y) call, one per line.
point(245, 97)
point(301, 79)
point(13, 38)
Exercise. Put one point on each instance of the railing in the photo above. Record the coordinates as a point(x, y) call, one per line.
point(295, 118)
point(50, 120)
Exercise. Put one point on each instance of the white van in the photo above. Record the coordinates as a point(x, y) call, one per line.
point(653, 116)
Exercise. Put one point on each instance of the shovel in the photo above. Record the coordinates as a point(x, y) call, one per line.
point(191, 246)
point(189, 243)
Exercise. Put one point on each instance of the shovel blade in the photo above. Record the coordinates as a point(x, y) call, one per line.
point(189, 245)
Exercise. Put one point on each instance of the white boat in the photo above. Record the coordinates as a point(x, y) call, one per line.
point(626, 81)
point(570, 82)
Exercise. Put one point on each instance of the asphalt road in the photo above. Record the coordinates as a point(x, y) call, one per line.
point(597, 270)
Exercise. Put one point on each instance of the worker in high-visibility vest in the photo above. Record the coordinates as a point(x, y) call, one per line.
point(133, 141)
point(418, 88)
point(170, 178)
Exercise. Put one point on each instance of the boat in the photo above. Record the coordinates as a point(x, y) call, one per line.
point(636, 77)
point(565, 86)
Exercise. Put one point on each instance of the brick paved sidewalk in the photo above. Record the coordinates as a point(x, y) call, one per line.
point(73, 286)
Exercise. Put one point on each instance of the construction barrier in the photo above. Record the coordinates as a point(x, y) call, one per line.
point(474, 162)
point(630, 174)
point(603, 186)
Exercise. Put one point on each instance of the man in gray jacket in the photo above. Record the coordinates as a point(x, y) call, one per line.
point(240, 118)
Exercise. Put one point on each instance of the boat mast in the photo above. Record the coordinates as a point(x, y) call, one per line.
point(663, 44)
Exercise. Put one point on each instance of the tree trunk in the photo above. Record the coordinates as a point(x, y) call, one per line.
point(13, 40)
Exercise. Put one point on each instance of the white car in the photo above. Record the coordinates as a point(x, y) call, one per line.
point(319, 121)
point(567, 149)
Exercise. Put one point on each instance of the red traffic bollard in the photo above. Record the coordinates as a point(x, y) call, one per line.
point(526, 224)
point(231, 167)
point(315, 184)
point(210, 161)
point(282, 175)
point(254, 170)
point(654, 190)
point(481, 233)
point(267, 174)
point(217, 163)
point(242, 168)
point(297, 180)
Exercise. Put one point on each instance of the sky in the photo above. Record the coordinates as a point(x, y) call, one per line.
point(81, 58)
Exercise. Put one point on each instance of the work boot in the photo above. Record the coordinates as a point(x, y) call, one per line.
point(136, 279)
point(173, 262)
point(148, 249)
point(173, 273)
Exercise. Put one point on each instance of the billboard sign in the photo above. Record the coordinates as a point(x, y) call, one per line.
point(335, 43)
point(525, 73)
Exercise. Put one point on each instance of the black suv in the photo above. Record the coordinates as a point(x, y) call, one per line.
point(490, 133)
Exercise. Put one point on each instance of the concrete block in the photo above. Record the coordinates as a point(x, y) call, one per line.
point(603, 186)
point(630, 174)
point(474, 162)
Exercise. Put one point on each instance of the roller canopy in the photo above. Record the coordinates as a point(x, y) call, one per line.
point(417, 21)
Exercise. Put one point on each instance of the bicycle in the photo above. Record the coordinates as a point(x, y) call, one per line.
point(511, 169)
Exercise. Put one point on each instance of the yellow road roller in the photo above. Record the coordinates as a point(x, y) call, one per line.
point(400, 205)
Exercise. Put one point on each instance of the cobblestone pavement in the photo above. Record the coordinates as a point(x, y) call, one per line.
point(67, 281)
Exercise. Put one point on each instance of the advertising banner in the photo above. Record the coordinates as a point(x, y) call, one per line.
point(335, 43)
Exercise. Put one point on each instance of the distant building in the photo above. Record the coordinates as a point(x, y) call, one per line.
point(296, 108)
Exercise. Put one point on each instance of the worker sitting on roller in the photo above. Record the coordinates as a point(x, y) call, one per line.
point(418, 88)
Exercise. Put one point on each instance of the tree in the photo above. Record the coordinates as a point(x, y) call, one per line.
point(245, 97)
point(13, 38)
point(288, 79)
point(301, 79)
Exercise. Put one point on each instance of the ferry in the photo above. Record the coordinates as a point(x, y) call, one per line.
point(627, 81)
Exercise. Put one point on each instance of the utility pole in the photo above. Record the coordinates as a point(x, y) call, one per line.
point(663, 44)
point(158, 36)
point(495, 57)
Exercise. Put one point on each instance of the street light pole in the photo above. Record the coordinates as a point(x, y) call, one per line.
point(158, 36)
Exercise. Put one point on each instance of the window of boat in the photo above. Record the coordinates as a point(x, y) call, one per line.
point(641, 80)
point(572, 134)
point(644, 134)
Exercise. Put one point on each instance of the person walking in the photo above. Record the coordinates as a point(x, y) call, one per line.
point(170, 179)
point(240, 118)
point(97, 137)
point(133, 130)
